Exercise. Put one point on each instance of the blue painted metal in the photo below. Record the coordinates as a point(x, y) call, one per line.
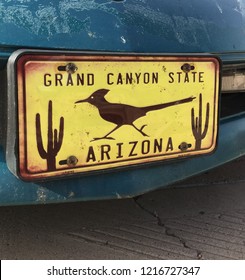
point(159, 26)
point(130, 25)
point(124, 183)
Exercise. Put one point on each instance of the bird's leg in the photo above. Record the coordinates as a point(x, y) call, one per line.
point(141, 129)
point(106, 136)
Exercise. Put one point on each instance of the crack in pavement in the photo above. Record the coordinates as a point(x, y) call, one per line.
point(168, 230)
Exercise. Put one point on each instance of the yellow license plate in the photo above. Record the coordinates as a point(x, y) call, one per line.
point(84, 113)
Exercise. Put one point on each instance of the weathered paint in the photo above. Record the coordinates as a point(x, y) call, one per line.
point(159, 26)
point(132, 25)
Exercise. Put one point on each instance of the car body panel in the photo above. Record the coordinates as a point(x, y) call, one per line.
point(125, 183)
point(133, 26)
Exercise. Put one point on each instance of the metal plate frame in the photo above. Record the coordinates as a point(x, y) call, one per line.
point(12, 138)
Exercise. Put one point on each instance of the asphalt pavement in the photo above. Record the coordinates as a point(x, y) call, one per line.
point(201, 218)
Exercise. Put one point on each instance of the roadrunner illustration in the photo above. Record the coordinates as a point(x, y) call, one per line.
point(123, 114)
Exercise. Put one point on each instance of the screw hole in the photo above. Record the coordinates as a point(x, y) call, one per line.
point(61, 68)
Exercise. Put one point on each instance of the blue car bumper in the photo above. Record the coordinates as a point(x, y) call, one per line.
point(124, 184)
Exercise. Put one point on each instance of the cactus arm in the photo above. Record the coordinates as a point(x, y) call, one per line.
point(42, 152)
point(58, 141)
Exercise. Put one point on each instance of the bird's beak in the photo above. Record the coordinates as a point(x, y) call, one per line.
point(82, 101)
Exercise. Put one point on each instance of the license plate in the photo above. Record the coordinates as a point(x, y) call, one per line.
point(81, 113)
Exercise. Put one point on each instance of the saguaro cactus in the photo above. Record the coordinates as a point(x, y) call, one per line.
point(198, 131)
point(54, 141)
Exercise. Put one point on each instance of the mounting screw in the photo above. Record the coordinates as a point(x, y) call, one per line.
point(72, 161)
point(187, 67)
point(184, 146)
point(71, 68)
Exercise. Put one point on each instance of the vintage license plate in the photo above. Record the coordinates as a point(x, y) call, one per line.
point(83, 113)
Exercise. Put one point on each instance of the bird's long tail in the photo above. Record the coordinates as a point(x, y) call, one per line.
point(164, 105)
